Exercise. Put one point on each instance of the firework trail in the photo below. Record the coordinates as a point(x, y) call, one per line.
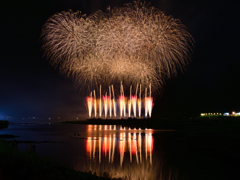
point(135, 44)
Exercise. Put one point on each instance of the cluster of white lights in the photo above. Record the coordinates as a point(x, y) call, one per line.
point(233, 114)
point(220, 114)
point(211, 114)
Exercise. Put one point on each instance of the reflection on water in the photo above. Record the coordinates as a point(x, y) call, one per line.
point(130, 143)
point(105, 149)
point(123, 153)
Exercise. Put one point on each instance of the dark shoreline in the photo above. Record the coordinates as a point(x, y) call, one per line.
point(180, 124)
point(29, 165)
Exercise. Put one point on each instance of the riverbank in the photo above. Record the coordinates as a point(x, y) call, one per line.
point(181, 124)
point(132, 123)
point(29, 165)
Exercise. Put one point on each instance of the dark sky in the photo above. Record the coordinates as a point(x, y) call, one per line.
point(31, 87)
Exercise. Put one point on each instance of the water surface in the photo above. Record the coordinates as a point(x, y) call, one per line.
point(118, 152)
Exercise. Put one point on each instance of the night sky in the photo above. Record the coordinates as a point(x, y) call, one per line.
point(29, 86)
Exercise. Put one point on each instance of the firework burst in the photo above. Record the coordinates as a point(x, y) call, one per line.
point(135, 44)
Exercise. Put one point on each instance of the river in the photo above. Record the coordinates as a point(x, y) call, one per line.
point(118, 152)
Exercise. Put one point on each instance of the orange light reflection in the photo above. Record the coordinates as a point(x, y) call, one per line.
point(133, 144)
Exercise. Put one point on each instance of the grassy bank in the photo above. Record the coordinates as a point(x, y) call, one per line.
point(3, 124)
point(26, 165)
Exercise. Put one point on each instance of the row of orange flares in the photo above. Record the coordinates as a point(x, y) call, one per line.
point(106, 106)
point(129, 143)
